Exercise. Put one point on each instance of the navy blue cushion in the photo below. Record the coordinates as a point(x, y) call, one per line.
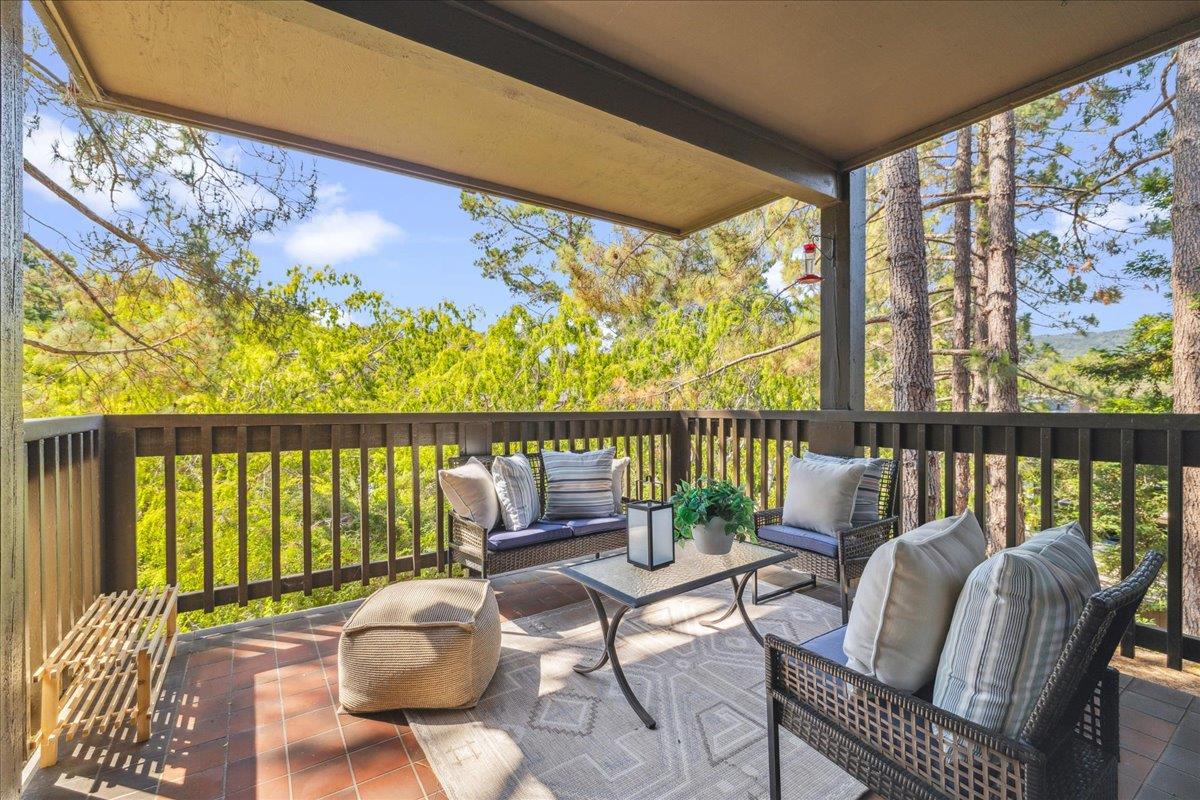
point(800, 538)
point(539, 532)
point(582, 527)
point(829, 645)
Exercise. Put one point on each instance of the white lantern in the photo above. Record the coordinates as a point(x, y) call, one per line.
point(651, 534)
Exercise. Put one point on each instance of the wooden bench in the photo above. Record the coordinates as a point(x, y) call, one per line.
point(108, 669)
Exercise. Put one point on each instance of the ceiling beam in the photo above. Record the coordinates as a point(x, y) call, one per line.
point(496, 40)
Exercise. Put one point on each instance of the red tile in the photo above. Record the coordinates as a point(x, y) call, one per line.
point(206, 672)
point(315, 749)
point(190, 785)
point(195, 758)
point(292, 670)
point(255, 716)
point(257, 740)
point(256, 769)
point(429, 780)
point(261, 662)
point(297, 703)
point(401, 784)
point(367, 732)
point(321, 780)
point(297, 654)
point(277, 789)
point(250, 695)
point(310, 724)
point(414, 748)
point(344, 794)
point(371, 762)
point(305, 682)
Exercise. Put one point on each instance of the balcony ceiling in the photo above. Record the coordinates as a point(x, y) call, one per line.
point(666, 115)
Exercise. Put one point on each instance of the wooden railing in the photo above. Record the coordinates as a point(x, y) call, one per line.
point(337, 498)
point(751, 449)
point(62, 532)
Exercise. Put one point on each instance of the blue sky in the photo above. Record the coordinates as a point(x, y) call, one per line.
point(404, 237)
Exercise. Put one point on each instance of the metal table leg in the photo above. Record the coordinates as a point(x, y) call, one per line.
point(728, 611)
point(610, 654)
point(741, 590)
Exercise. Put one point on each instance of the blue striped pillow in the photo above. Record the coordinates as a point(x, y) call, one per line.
point(578, 485)
point(516, 490)
point(1010, 625)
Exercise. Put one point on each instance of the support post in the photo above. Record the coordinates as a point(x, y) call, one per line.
point(143, 694)
point(843, 295)
point(13, 685)
point(119, 537)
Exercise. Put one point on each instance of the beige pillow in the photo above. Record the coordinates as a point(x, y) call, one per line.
point(472, 493)
point(820, 495)
point(906, 598)
point(619, 467)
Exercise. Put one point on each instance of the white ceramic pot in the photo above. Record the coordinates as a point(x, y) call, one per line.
point(711, 538)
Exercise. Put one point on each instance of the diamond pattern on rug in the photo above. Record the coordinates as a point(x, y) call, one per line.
point(544, 732)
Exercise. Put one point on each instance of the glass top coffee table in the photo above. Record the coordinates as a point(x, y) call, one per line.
point(632, 587)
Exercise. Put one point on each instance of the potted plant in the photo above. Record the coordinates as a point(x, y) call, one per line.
point(713, 514)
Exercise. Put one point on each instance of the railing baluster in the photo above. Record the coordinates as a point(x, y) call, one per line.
point(1046, 452)
point(625, 424)
point(737, 451)
point(874, 435)
point(710, 445)
point(1175, 548)
point(641, 428)
point(242, 517)
point(206, 492)
point(51, 591)
point(898, 455)
point(335, 500)
point(763, 460)
point(390, 434)
point(724, 449)
point(1085, 481)
point(35, 613)
point(440, 498)
point(979, 475)
point(364, 505)
point(306, 505)
point(79, 587)
point(949, 462)
point(276, 538)
point(415, 450)
point(779, 463)
point(1010, 487)
point(1128, 522)
point(169, 517)
point(922, 474)
point(653, 462)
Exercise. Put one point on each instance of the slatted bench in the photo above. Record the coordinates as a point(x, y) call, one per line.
point(108, 669)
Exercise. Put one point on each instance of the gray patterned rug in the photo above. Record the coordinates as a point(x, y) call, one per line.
point(542, 732)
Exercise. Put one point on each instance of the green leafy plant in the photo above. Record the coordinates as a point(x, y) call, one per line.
point(697, 503)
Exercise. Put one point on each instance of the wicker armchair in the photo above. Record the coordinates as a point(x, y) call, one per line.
point(853, 548)
point(468, 541)
point(903, 747)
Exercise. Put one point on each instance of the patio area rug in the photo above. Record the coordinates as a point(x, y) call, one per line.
point(543, 732)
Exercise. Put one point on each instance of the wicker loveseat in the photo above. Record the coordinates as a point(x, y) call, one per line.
point(544, 542)
point(902, 746)
point(838, 558)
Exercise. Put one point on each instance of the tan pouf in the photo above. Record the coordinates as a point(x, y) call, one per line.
point(420, 644)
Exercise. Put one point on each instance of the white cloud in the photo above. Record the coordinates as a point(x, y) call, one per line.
point(331, 194)
point(775, 281)
point(39, 148)
point(340, 235)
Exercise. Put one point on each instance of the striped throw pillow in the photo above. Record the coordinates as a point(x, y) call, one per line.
point(516, 491)
point(1010, 625)
point(578, 485)
point(866, 501)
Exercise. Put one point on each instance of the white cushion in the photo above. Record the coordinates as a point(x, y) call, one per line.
point(906, 599)
point(471, 492)
point(517, 491)
point(1011, 622)
point(619, 467)
point(820, 496)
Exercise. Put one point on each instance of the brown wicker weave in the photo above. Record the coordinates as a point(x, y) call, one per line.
point(468, 541)
point(855, 546)
point(903, 747)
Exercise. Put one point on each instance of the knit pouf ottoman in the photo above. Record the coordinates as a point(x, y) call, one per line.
point(420, 644)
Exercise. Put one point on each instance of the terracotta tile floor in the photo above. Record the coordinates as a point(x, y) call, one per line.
point(249, 711)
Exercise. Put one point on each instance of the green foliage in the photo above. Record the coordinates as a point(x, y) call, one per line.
point(698, 503)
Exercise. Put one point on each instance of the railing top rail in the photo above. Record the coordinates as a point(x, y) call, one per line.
point(339, 418)
point(48, 427)
point(1024, 419)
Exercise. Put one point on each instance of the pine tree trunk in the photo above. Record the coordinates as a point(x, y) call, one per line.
point(979, 277)
point(1185, 292)
point(960, 389)
point(1001, 351)
point(911, 338)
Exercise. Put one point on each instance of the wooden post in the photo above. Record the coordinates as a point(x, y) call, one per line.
point(48, 738)
point(119, 537)
point(843, 295)
point(13, 686)
point(679, 456)
point(143, 694)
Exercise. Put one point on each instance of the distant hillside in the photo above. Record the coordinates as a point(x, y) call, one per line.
point(1073, 345)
